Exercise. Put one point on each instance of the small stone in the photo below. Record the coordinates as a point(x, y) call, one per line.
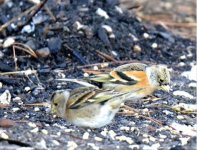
point(162, 136)
point(180, 117)
point(15, 109)
point(136, 147)
point(36, 109)
point(77, 25)
point(152, 138)
point(154, 45)
point(193, 85)
point(104, 132)
point(155, 146)
point(125, 128)
point(118, 9)
point(71, 145)
point(167, 112)
point(102, 13)
point(98, 139)
point(43, 52)
point(31, 124)
point(41, 144)
point(95, 68)
point(124, 138)
point(86, 136)
point(145, 140)
point(184, 141)
point(1, 54)
point(27, 89)
point(103, 65)
point(1, 85)
point(137, 49)
point(28, 28)
point(68, 130)
point(86, 74)
point(32, 44)
point(146, 35)
point(3, 135)
point(39, 18)
point(107, 28)
point(8, 42)
point(183, 93)
point(35, 130)
point(182, 57)
point(112, 134)
point(114, 53)
point(56, 142)
point(44, 131)
point(94, 147)
point(54, 44)
point(5, 97)
point(181, 64)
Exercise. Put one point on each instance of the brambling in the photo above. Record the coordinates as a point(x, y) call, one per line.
point(131, 77)
point(87, 106)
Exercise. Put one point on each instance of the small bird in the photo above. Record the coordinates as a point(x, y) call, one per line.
point(131, 77)
point(87, 106)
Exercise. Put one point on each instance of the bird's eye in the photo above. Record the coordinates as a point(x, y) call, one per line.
point(161, 80)
point(55, 104)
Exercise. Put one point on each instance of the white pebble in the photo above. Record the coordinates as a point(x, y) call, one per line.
point(36, 109)
point(183, 93)
point(41, 144)
point(167, 112)
point(137, 48)
point(162, 136)
point(103, 65)
point(182, 57)
point(71, 145)
point(15, 109)
point(86, 74)
point(112, 36)
point(35, 130)
point(180, 117)
point(118, 9)
point(56, 142)
point(8, 42)
point(44, 131)
point(155, 146)
point(181, 64)
point(152, 138)
point(184, 141)
point(31, 124)
point(145, 140)
point(102, 13)
point(94, 147)
point(125, 128)
point(112, 134)
point(104, 132)
point(5, 97)
point(27, 88)
point(193, 85)
point(3, 135)
point(107, 28)
point(192, 74)
point(146, 35)
point(98, 138)
point(134, 146)
point(78, 25)
point(86, 136)
point(154, 45)
point(68, 130)
point(28, 28)
point(95, 68)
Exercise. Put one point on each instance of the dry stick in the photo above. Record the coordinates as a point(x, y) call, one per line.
point(178, 25)
point(15, 59)
point(25, 48)
point(24, 72)
point(50, 12)
point(16, 18)
point(106, 56)
point(37, 8)
point(38, 104)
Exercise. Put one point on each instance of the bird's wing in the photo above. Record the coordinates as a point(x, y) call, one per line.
point(85, 96)
point(131, 67)
point(128, 74)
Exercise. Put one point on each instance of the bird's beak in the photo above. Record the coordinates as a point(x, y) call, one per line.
point(165, 88)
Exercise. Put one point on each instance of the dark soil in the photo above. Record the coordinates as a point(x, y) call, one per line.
point(70, 51)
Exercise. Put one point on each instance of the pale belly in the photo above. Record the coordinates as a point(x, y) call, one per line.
point(104, 117)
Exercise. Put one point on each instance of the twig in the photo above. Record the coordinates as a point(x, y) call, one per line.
point(106, 56)
point(35, 11)
point(38, 104)
point(24, 72)
point(16, 18)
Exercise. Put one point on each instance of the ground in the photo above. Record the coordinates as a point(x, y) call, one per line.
point(70, 39)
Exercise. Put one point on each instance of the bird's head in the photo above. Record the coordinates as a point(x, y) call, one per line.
point(159, 77)
point(58, 102)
